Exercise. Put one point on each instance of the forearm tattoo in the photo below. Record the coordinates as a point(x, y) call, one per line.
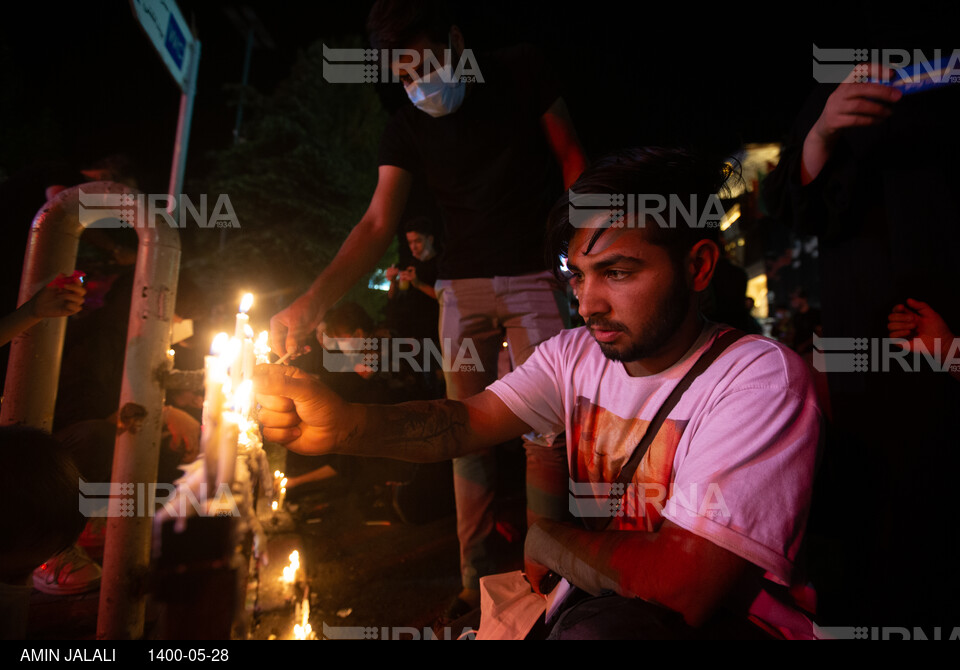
point(421, 431)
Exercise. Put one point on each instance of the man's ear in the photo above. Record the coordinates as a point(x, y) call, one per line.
point(701, 263)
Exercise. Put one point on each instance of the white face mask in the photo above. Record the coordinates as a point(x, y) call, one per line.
point(436, 93)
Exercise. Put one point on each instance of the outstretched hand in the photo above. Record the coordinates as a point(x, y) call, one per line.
point(919, 324)
point(298, 411)
point(294, 326)
point(853, 103)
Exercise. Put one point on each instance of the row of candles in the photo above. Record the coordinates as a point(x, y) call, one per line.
point(229, 426)
point(228, 403)
point(301, 628)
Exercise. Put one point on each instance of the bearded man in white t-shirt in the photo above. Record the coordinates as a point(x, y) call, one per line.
point(715, 513)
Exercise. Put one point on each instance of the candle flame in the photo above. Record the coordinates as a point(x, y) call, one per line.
point(246, 303)
point(290, 571)
point(248, 331)
point(261, 349)
point(220, 343)
point(303, 630)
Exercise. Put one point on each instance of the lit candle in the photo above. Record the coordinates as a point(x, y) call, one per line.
point(215, 375)
point(212, 397)
point(242, 319)
point(280, 486)
point(243, 399)
point(227, 456)
point(219, 344)
point(303, 630)
point(232, 359)
point(247, 354)
point(229, 430)
point(290, 571)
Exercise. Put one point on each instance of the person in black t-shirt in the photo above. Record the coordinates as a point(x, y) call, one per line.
point(412, 310)
point(494, 139)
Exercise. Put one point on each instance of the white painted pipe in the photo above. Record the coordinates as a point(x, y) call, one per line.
point(30, 392)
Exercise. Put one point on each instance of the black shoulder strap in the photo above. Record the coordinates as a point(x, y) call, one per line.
point(704, 362)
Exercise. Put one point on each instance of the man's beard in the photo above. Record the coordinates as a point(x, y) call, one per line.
point(667, 319)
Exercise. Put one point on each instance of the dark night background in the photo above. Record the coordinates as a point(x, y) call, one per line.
point(80, 79)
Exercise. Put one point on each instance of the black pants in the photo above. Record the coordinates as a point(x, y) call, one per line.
point(613, 617)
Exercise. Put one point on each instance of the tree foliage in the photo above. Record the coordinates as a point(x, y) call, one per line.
point(298, 180)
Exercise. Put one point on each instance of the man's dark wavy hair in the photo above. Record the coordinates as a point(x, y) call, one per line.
point(420, 224)
point(394, 24)
point(644, 170)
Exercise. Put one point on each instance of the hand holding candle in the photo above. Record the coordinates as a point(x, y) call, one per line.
point(299, 411)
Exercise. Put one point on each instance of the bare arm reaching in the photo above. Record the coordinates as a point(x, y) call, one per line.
point(850, 105)
point(360, 252)
point(562, 136)
point(301, 413)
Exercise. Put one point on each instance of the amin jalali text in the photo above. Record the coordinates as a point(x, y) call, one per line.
point(74, 654)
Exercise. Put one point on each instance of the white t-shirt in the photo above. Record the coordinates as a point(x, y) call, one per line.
point(737, 453)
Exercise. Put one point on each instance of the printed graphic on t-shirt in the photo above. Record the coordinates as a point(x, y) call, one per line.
point(603, 443)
